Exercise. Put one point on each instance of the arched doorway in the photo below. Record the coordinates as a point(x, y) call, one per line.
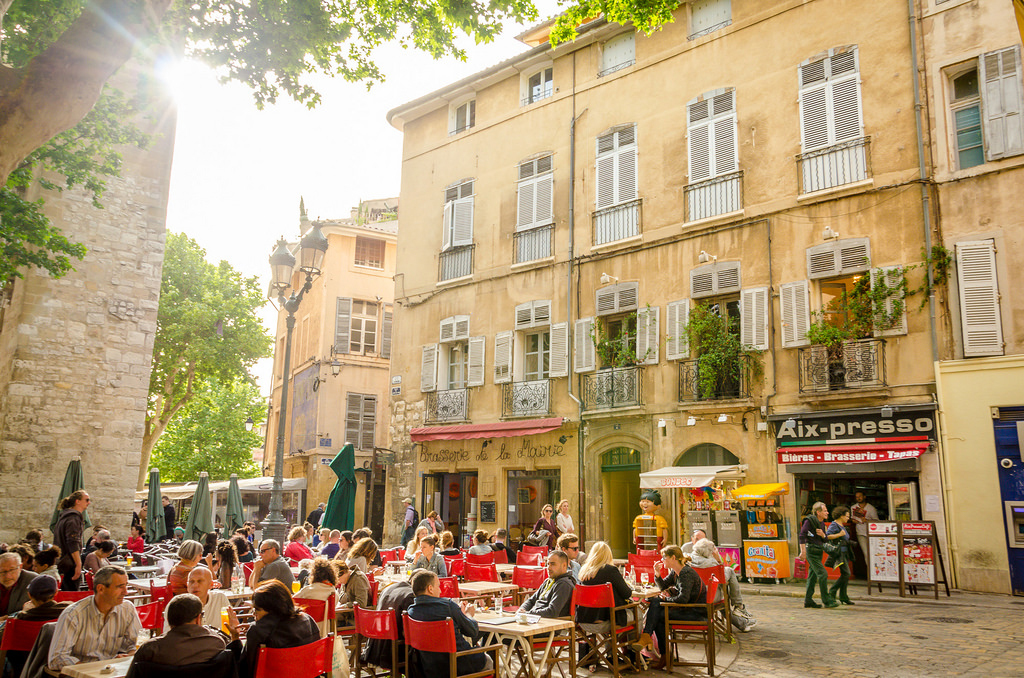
point(707, 454)
point(620, 490)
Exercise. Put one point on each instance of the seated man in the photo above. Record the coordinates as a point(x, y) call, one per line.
point(271, 565)
point(398, 596)
point(187, 641)
point(705, 554)
point(14, 583)
point(200, 585)
point(498, 544)
point(687, 548)
point(102, 626)
point(430, 606)
point(40, 608)
point(554, 597)
point(569, 544)
point(333, 545)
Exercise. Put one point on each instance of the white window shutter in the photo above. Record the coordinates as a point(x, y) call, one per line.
point(677, 315)
point(726, 159)
point(583, 342)
point(369, 423)
point(446, 225)
point(814, 121)
point(699, 151)
point(343, 325)
point(503, 357)
point(754, 318)
point(605, 181)
point(386, 330)
point(475, 368)
point(1002, 103)
point(526, 201)
point(822, 261)
point(627, 296)
point(892, 276)
point(647, 337)
point(462, 230)
point(727, 277)
point(461, 327)
point(627, 179)
point(796, 316)
point(447, 330)
point(524, 316)
point(846, 113)
point(353, 418)
point(702, 281)
point(979, 298)
point(606, 300)
point(558, 365)
point(541, 312)
point(428, 369)
point(545, 195)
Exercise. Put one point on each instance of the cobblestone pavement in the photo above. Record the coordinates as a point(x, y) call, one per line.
point(965, 635)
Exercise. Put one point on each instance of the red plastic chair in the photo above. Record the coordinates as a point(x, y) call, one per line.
point(481, 572)
point(529, 548)
point(71, 596)
point(19, 636)
point(612, 646)
point(480, 558)
point(648, 553)
point(379, 625)
point(530, 559)
point(152, 617)
point(439, 636)
point(501, 557)
point(400, 554)
point(723, 616)
point(320, 610)
point(247, 568)
point(161, 593)
point(528, 579)
point(692, 632)
point(304, 661)
point(449, 587)
point(387, 557)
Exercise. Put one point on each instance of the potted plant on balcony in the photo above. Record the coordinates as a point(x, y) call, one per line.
point(618, 350)
point(715, 341)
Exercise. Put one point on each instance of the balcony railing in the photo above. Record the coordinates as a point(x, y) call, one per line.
point(850, 365)
point(450, 405)
point(533, 244)
point(729, 381)
point(710, 198)
point(837, 165)
point(526, 398)
point(611, 388)
point(456, 262)
point(617, 223)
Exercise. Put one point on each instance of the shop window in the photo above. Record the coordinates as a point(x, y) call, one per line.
point(528, 492)
point(707, 454)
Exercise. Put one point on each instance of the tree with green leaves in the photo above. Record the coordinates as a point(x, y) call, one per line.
point(208, 333)
point(209, 434)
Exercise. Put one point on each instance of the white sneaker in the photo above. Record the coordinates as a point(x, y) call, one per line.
point(749, 627)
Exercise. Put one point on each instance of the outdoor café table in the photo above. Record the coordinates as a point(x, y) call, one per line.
point(140, 571)
point(147, 584)
point(505, 569)
point(523, 636)
point(478, 589)
point(643, 595)
point(95, 669)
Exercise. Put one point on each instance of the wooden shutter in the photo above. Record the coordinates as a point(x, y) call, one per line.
point(979, 298)
point(1002, 103)
point(627, 179)
point(428, 368)
point(385, 331)
point(583, 341)
point(717, 278)
point(617, 298)
point(475, 367)
point(545, 194)
point(702, 281)
point(446, 225)
point(503, 357)
point(814, 127)
point(677, 315)
point(830, 100)
point(533, 314)
point(526, 205)
point(647, 338)
point(462, 228)
point(892, 276)
point(754, 318)
point(558, 365)
point(353, 418)
point(838, 257)
point(699, 141)
point(368, 425)
point(524, 316)
point(616, 167)
point(446, 330)
point(796, 317)
point(844, 86)
point(459, 327)
point(343, 325)
point(605, 181)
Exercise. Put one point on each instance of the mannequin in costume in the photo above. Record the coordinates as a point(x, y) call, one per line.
point(649, 528)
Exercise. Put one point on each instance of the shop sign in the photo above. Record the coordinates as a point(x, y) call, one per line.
point(803, 455)
point(763, 531)
point(766, 559)
point(510, 449)
point(917, 529)
point(863, 427)
point(882, 528)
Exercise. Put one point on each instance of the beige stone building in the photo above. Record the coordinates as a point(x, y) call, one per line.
point(756, 159)
point(340, 362)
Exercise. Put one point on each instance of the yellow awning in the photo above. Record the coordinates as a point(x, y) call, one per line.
point(762, 491)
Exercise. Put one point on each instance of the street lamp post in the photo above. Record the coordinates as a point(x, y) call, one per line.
point(282, 263)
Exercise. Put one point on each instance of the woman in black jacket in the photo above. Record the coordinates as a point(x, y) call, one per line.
point(680, 585)
point(599, 570)
point(278, 624)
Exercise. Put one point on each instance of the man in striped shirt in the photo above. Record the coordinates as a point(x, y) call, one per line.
point(102, 626)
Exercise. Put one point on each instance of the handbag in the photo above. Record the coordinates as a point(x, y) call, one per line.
point(831, 548)
point(538, 538)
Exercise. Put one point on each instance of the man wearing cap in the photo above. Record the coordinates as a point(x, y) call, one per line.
point(41, 607)
point(412, 518)
point(187, 641)
point(14, 583)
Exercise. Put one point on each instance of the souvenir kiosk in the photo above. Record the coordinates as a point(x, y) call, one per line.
point(692, 496)
point(765, 551)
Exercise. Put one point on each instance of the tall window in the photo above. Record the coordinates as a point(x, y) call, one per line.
point(369, 252)
point(617, 53)
point(458, 215)
point(540, 85)
point(360, 420)
point(830, 108)
point(986, 101)
point(458, 358)
point(618, 212)
point(363, 335)
point(712, 136)
point(537, 355)
point(462, 117)
point(966, 108)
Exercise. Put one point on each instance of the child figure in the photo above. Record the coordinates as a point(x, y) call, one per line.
point(649, 528)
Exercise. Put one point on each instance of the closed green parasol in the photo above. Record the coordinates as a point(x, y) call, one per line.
point(233, 518)
point(340, 513)
point(156, 528)
point(200, 522)
point(74, 480)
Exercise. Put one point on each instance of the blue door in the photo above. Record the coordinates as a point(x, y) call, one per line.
point(1010, 467)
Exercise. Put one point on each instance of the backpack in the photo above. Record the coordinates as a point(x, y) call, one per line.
point(415, 517)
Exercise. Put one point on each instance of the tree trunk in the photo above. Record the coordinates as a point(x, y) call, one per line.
point(62, 84)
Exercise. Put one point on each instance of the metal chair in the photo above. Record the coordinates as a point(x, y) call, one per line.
point(612, 647)
point(377, 625)
point(304, 661)
point(439, 636)
point(692, 632)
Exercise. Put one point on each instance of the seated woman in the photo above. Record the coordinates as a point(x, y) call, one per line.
point(355, 587)
point(189, 554)
point(680, 585)
point(296, 548)
point(101, 556)
point(429, 559)
point(209, 549)
point(137, 542)
point(324, 582)
point(414, 545)
point(45, 562)
point(278, 624)
point(599, 570)
point(480, 545)
point(448, 544)
point(244, 549)
point(225, 563)
point(344, 545)
point(362, 554)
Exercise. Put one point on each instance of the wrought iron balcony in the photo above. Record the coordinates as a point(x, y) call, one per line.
point(526, 398)
point(617, 223)
point(850, 365)
point(837, 165)
point(710, 198)
point(450, 405)
point(456, 262)
point(731, 381)
point(611, 388)
point(533, 244)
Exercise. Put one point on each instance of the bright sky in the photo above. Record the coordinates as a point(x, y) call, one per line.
point(239, 172)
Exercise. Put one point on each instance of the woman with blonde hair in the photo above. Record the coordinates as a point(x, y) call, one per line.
point(480, 546)
point(681, 584)
point(296, 548)
point(599, 570)
point(414, 545)
point(448, 544)
point(563, 520)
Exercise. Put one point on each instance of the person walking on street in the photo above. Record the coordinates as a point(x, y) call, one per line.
point(315, 515)
point(168, 516)
point(67, 534)
point(412, 519)
point(844, 559)
point(812, 540)
point(563, 520)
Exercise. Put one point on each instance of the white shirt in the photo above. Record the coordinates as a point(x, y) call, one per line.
point(564, 523)
point(870, 516)
point(216, 601)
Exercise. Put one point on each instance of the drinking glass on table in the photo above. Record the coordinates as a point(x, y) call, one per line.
point(295, 587)
point(644, 579)
point(497, 605)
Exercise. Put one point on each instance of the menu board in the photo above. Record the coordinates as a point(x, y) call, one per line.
point(918, 553)
point(883, 552)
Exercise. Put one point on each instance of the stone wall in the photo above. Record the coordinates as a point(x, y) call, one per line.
point(76, 352)
point(402, 476)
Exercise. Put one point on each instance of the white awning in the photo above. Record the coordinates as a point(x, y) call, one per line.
point(690, 476)
point(264, 484)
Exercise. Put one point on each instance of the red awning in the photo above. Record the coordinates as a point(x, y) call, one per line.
point(503, 429)
point(851, 454)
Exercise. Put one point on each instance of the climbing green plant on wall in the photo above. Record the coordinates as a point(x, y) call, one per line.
point(715, 341)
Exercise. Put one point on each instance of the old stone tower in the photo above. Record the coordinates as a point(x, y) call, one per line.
point(75, 353)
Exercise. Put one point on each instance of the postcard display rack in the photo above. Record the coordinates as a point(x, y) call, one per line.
point(905, 555)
